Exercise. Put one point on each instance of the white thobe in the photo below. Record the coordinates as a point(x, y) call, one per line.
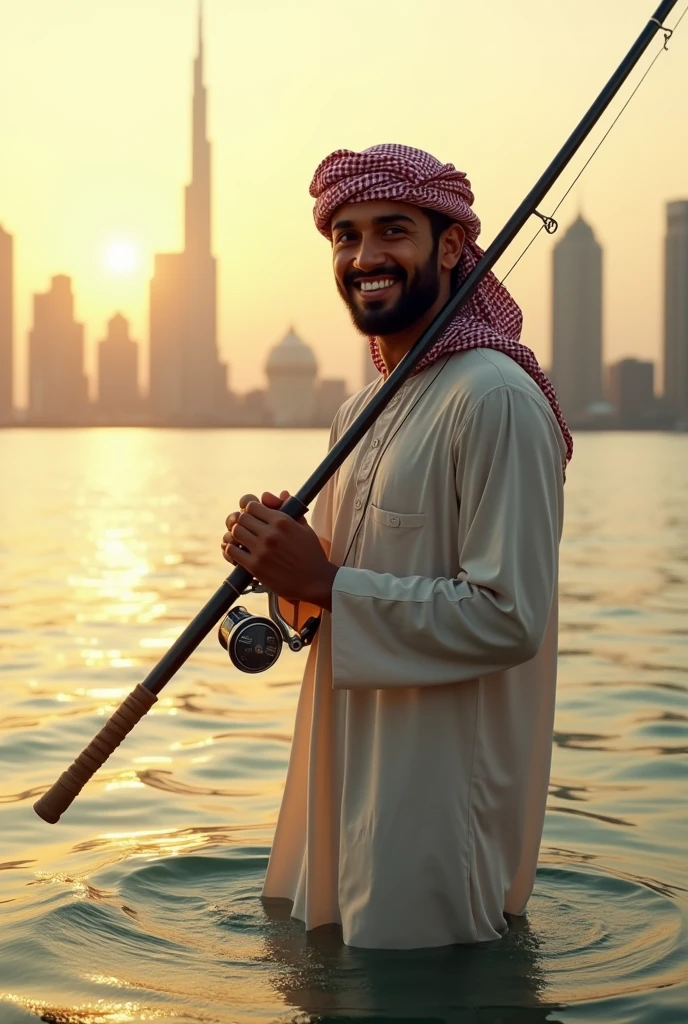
point(415, 795)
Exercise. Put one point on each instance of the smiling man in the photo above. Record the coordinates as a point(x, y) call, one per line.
point(415, 795)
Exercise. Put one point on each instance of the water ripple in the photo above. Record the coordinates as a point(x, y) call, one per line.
point(144, 902)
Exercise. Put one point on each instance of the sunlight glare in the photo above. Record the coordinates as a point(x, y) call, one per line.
point(121, 257)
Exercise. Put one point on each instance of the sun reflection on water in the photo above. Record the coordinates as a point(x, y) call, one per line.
point(100, 1011)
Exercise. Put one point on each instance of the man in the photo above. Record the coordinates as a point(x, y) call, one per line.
point(415, 795)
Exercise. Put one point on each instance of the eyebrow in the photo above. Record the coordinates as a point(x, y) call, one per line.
point(387, 218)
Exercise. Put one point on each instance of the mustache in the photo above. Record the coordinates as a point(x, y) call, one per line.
point(353, 277)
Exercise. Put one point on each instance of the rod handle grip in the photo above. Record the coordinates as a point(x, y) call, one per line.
point(55, 802)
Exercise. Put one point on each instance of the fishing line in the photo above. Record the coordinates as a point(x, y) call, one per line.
point(549, 224)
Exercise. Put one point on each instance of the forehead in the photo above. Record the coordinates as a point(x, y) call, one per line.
point(367, 214)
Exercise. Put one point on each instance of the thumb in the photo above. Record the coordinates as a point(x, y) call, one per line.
point(271, 500)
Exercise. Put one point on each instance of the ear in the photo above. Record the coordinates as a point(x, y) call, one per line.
point(451, 246)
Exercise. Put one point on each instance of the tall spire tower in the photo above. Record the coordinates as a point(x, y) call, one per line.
point(197, 205)
point(188, 383)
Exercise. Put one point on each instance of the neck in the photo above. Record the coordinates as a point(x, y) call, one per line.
point(393, 347)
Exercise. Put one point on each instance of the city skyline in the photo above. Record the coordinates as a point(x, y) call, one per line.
point(296, 395)
point(118, 150)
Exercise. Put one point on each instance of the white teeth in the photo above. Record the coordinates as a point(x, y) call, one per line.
point(371, 286)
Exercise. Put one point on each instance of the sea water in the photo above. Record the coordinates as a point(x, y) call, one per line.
point(142, 904)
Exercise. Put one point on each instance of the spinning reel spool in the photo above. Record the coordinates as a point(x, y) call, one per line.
point(254, 642)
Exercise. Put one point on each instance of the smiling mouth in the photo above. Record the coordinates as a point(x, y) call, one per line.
point(376, 287)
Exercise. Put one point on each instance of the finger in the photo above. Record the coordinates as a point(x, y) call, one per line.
point(224, 543)
point(226, 555)
point(244, 500)
point(242, 536)
point(241, 557)
point(272, 501)
point(253, 524)
point(232, 519)
point(261, 512)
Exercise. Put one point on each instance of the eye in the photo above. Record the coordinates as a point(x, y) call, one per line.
point(345, 236)
point(394, 228)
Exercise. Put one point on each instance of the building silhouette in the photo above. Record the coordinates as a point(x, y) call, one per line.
point(329, 397)
point(676, 309)
point(6, 325)
point(118, 369)
point(291, 370)
point(188, 383)
point(58, 389)
point(251, 409)
point(631, 392)
point(577, 320)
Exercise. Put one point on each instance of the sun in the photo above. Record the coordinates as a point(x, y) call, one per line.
point(121, 256)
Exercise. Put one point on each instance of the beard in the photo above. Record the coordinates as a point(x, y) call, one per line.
point(418, 293)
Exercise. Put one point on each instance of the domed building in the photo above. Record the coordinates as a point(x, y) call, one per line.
point(291, 370)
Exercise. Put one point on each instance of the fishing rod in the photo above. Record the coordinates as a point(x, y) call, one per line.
point(251, 649)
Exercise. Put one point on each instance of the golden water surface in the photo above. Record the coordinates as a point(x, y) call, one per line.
point(142, 903)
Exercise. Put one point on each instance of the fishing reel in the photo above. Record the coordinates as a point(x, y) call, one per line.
point(254, 642)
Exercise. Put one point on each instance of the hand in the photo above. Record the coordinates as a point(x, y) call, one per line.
point(271, 500)
point(283, 554)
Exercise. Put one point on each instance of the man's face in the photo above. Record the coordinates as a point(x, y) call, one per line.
point(386, 264)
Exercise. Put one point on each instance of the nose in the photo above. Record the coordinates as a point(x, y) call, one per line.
point(370, 254)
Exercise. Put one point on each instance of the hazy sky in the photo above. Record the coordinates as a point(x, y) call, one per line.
point(95, 148)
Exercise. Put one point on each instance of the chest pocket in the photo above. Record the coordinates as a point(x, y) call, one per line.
point(396, 520)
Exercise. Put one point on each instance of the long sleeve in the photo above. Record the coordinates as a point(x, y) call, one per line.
point(390, 631)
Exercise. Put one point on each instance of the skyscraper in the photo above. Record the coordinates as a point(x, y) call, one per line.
point(6, 326)
point(118, 357)
point(58, 390)
point(676, 308)
point(187, 379)
point(577, 319)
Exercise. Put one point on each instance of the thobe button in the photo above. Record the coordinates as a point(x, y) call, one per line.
point(393, 520)
point(358, 503)
point(375, 443)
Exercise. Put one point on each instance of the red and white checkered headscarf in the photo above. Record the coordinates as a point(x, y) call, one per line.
point(490, 318)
